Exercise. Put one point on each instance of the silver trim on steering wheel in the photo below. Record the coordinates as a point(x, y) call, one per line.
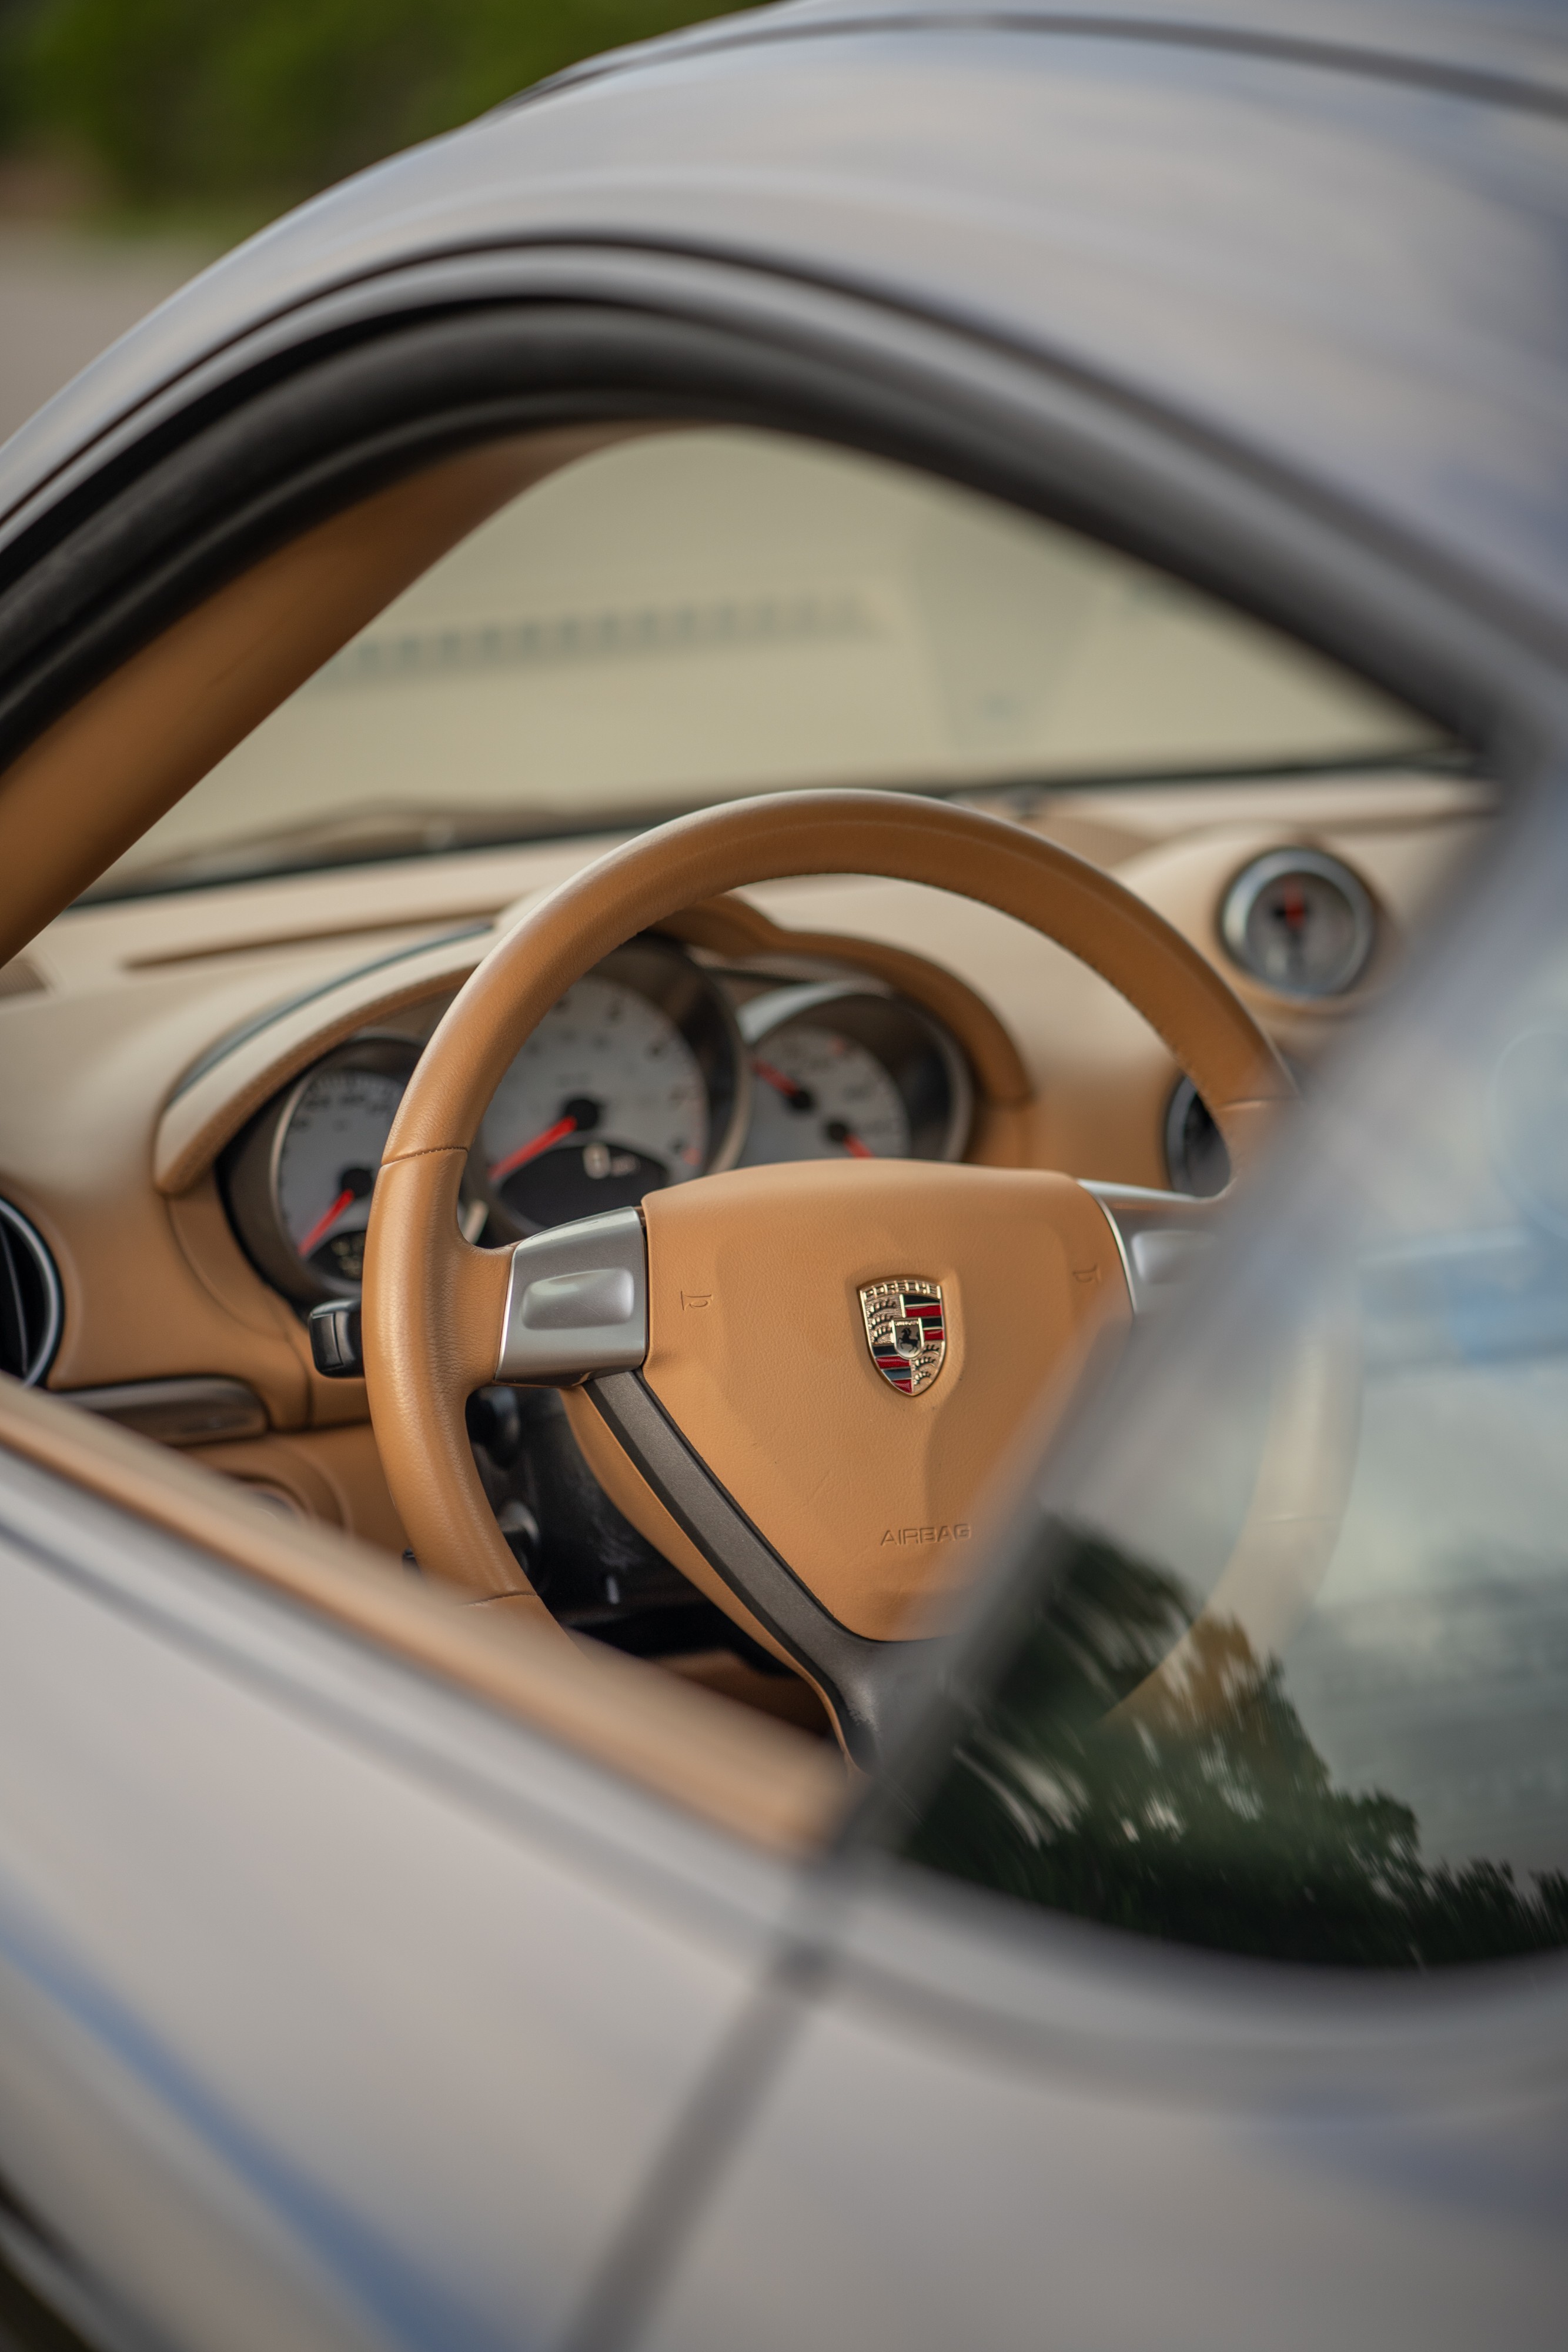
point(577, 1302)
point(1162, 1238)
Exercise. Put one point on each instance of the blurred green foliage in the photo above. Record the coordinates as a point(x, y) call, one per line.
point(250, 104)
point(1204, 1815)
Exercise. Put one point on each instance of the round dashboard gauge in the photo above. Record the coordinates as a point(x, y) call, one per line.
point(816, 1092)
point(328, 1157)
point(298, 1180)
point(1196, 1161)
point(844, 1070)
point(1301, 922)
point(633, 1080)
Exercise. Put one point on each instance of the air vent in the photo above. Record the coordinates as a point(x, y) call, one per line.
point(29, 1299)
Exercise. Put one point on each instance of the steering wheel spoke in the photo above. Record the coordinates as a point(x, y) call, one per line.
point(1163, 1238)
point(577, 1302)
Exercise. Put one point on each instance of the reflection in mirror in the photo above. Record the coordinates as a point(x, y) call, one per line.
point(1356, 1754)
point(1208, 1816)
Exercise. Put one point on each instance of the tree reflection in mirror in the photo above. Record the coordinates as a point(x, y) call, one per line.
point(1214, 1821)
point(1364, 1765)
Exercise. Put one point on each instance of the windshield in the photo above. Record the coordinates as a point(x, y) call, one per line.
point(698, 613)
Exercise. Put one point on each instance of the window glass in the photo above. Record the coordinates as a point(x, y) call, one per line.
point(693, 615)
point(1294, 1676)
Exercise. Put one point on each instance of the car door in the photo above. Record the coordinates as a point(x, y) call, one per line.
point(335, 2006)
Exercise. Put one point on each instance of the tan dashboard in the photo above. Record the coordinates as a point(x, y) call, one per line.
point(138, 1038)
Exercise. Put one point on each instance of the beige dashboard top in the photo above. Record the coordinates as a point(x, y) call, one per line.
point(113, 1103)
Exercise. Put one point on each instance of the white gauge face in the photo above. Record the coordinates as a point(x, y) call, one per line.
point(818, 1096)
point(327, 1163)
point(606, 1102)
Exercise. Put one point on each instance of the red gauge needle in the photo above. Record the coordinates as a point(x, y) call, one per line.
point(802, 1098)
point(323, 1226)
point(796, 1096)
point(837, 1132)
point(530, 1150)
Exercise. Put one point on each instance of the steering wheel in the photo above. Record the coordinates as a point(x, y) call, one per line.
point(800, 1383)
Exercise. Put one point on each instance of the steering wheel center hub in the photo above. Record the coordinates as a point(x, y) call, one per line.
point(758, 1351)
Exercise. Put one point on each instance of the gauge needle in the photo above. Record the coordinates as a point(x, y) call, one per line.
point(837, 1132)
point(323, 1226)
point(796, 1096)
point(801, 1098)
point(531, 1150)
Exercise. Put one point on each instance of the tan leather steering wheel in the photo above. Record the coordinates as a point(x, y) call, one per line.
point(715, 1348)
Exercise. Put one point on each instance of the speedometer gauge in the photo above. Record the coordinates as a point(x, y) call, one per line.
point(633, 1080)
point(299, 1178)
point(329, 1152)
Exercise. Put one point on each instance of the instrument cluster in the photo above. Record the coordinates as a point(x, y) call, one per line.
point(653, 1069)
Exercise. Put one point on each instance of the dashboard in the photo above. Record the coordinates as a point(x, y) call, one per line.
point(196, 1089)
point(655, 1068)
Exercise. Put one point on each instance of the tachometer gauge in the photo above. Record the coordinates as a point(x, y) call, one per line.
point(844, 1070)
point(632, 1081)
point(299, 1178)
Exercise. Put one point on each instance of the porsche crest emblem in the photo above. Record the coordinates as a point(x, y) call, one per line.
point(905, 1329)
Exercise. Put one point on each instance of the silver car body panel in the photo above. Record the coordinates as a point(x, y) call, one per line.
point(1170, 220)
point(333, 2009)
point(1011, 2132)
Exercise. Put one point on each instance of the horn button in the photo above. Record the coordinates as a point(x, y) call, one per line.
point(759, 1353)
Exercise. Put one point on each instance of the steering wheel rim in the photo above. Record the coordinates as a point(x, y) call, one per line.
point(435, 1307)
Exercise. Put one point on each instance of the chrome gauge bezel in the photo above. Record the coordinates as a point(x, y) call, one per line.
point(661, 970)
point(899, 1034)
point(248, 1171)
point(1244, 891)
